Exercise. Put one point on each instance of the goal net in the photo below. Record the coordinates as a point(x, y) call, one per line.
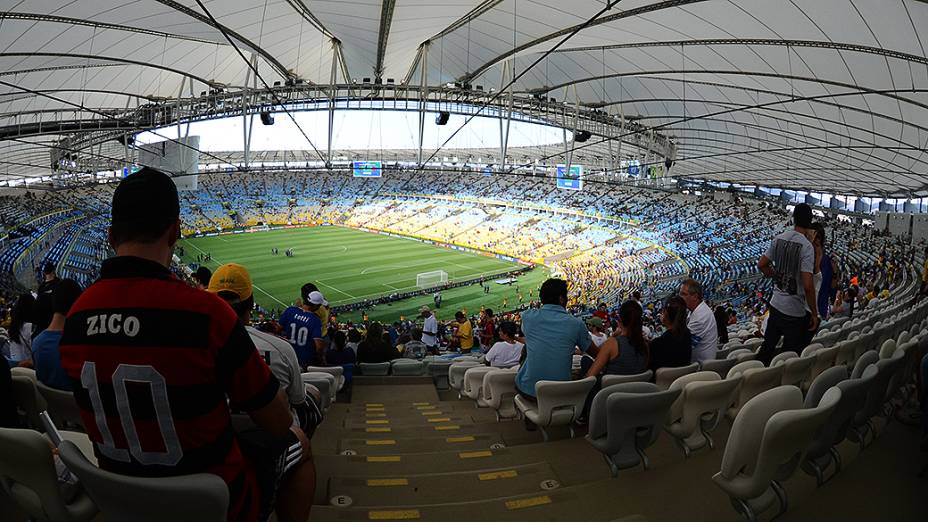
point(430, 279)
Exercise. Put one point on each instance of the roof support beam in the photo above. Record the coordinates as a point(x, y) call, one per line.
point(274, 62)
point(37, 17)
point(386, 18)
point(473, 14)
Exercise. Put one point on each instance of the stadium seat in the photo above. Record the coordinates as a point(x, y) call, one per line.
point(325, 382)
point(795, 369)
point(560, 403)
point(702, 403)
point(755, 380)
point(375, 369)
point(861, 426)
point(609, 380)
point(336, 371)
point(743, 354)
point(821, 453)
point(499, 391)
point(62, 407)
point(456, 374)
point(29, 478)
point(824, 359)
point(719, 366)
point(768, 438)
point(625, 419)
point(407, 367)
point(868, 358)
point(473, 382)
point(845, 355)
point(201, 497)
point(439, 372)
point(887, 349)
point(27, 398)
point(664, 377)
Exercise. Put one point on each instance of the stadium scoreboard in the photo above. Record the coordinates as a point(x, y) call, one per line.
point(367, 169)
point(572, 179)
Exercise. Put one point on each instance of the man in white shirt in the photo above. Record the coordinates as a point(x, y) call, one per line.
point(701, 322)
point(790, 262)
point(429, 330)
point(508, 351)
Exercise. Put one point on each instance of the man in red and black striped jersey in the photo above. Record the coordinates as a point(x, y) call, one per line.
point(156, 365)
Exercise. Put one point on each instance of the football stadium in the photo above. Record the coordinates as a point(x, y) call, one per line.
point(517, 260)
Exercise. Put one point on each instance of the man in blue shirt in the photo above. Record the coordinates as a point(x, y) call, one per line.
point(45, 355)
point(551, 336)
point(303, 328)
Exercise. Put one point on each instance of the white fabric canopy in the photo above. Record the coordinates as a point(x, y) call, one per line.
point(827, 95)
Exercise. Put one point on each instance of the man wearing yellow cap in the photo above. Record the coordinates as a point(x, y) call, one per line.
point(293, 468)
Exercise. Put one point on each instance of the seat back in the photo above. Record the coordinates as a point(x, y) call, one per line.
point(456, 373)
point(887, 349)
point(326, 384)
point(812, 348)
point(27, 398)
point(473, 380)
point(835, 428)
point(703, 392)
point(744, 354)
point(742, 367)
point(62, 406)
point(868, 358)
point(28, 477)
point(633, 415)
point(719, 366)
point(499, 390)
point(609, 380)
point(376, 369)
point(407, 367)
point(561, 402)
point(846, 349)
point(202, 497)
point(780, 358)
point(664, 377)
point(824, 359)
point(886, 368)
point(797, 370)
point(758, 380)
point(337, 371)
point(439, 372)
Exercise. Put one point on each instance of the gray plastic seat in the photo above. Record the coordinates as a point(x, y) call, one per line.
point(336, 371)
point(664, 377)
point(609, 380)
point(822, 452)
point(845, 355)
point(27, 398)
point(755, 380)
point(782, 357)
point(456, 374)
point(626, 419)
point(887, 349)
point(796, 370)
point(62, 406)
point(499, 391)
point(719, 366)
point(187, 498)
point(868, 358)
point(439, 372)
point(824, 359)
point(375, 369)
point(767, 441)
point(28, 477)
point(697, 411)
point(559, 403)
point(861, 425)
point(325, 382)
point(473, 381)
point(407, 367)
point(743, 354)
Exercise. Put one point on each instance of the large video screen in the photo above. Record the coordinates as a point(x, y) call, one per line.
point(570, 180)
point(367, 169)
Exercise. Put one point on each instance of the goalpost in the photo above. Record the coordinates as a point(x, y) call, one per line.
point(430, 279)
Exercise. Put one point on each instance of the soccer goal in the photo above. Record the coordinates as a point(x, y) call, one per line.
point(430, 279)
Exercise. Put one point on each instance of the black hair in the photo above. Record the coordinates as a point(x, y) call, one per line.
point(65, 295)
point(802, 216)
point(721, 323)
point(339, 339)
point(552, 291)
point(509, 328)
point(675, 311)
point(21, 314)
point(241, 307)
point(630, 314)
point(488, 312)
point(459, 315)
point(203, 275)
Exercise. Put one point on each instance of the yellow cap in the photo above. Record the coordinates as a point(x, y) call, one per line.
point(233, 278)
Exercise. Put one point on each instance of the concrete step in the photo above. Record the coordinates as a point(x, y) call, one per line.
point(439, 488)
point(423, 444)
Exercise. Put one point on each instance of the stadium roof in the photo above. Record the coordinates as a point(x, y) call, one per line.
point(820, 94)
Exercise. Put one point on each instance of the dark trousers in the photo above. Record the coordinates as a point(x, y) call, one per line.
point(793, 330)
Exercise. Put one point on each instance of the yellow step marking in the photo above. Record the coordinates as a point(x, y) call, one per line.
point(528, 502)
point(374, 404)
point(467, 438)
point(385, 458)
point(449, 427)
point(401, 514)
point(387, 482)
point(375, 414)
point(440, 419)
point(384, 442)
point(377, 422)
point(509, 473)
point(475, 454)
point(427, 413)
point(421, 403)
point(420, 408)
point(377, 408)
point(377, 430)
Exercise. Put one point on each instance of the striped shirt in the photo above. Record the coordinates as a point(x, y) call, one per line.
point(156, 366)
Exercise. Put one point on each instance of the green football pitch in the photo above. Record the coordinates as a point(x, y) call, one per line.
point(351, 265)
